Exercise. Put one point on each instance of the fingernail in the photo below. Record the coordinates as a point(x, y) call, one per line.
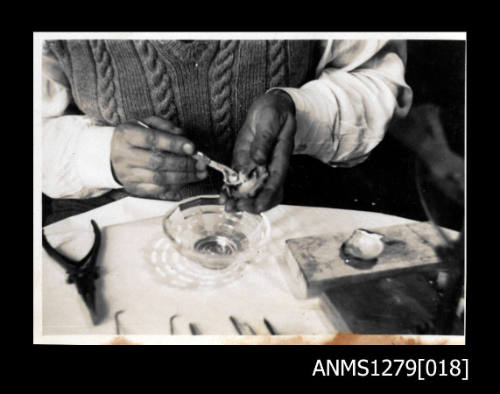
point(188, 149)
point(201, 175)
point(201, 166)
point(171, 196)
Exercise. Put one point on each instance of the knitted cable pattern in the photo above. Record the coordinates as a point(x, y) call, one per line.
point(105, 85)
point(190, 51)
point(278, 63)
point(221, 80)
point(59, 49)
point(161, 85)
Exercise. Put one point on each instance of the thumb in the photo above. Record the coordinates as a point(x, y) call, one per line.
point(267, 128)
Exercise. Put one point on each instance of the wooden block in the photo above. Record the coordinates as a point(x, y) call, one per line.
point(315, 262)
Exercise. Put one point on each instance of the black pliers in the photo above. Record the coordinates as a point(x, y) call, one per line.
point(82, 273)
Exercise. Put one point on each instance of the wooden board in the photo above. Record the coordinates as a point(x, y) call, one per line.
point(316, 263)
point(403, 304)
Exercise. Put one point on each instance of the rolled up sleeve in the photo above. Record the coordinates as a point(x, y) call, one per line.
point(75, 149)
point(344, 113)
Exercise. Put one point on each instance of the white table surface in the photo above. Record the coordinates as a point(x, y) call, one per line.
point(128, 226)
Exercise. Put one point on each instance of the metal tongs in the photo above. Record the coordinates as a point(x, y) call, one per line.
point(82, 273)
point(230, 176)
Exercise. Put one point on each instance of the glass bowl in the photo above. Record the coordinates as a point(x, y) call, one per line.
point(203, 232)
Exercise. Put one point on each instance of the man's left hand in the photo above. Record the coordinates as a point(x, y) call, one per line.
point(266, 138)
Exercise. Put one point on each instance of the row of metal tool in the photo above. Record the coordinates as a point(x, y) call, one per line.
point(242, 328)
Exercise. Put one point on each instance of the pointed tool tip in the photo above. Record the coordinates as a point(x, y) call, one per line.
point(89, 300)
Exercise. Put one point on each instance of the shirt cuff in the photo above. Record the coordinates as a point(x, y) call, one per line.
point(93, 157)
point(314, 136)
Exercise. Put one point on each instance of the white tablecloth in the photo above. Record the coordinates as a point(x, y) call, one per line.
point(129, 227)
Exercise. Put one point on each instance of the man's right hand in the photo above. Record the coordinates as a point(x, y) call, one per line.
point(154, 162)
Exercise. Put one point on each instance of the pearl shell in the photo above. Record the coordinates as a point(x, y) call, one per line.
point(364, 245)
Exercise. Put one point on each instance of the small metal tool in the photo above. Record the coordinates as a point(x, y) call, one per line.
point(117, 322)
point(270, 328)
point(231, 177)
point(249, 328)
point(172, 324)
point(238, 327)
point(235, 324)
point(194, 329)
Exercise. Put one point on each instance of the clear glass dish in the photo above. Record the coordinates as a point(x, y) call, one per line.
point(203, 232)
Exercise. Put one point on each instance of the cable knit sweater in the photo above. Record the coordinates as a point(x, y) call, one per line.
point(205, 87)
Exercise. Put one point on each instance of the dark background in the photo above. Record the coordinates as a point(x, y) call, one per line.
point(385, 182)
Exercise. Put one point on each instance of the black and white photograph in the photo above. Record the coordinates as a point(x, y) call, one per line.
point(249, 188)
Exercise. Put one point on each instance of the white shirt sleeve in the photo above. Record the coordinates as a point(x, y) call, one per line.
point(75, 149)
point(344, 113)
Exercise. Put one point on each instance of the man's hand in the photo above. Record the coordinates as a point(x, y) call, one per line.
point(266, 138)
point(423, 132)
point(154, 162)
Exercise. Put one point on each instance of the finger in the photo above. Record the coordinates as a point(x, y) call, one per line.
point(241, 158)
point(142, 137)
point(283, 149)
point(267, 199)
point(171, 195)
point(138, 175)
point(180, 178)
point(146, 190)
point(230, 205)
point(272, 193)
point(145, 158)
point(280, 160)
point(158, 123)
point(223, 198)
point(163, 178)
point(177, 178)
point(267, 127)
point(180, 163)
point(245, 204)
point(173, 162)
point(161, 161)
